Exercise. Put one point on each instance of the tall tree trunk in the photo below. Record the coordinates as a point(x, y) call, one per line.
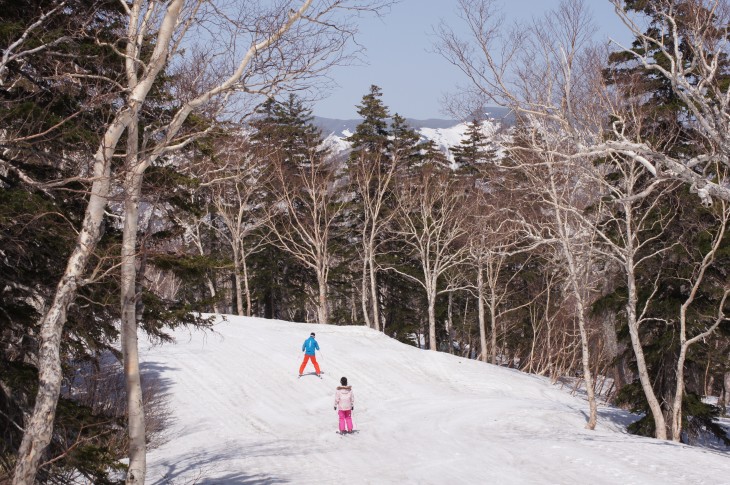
point(375, 301)
point(480, 312)
point(135, 408)
point(39, 428)
point(581, 311)
point(364, 293)
point(678, 396)
point(432, 318)
point(322, 313)
point(450, 323)
point(574, 275)
point(644, 379)
point(585, 357)
point(493, 323)
point(237, 280)
point(685, 345)
point(246, 287)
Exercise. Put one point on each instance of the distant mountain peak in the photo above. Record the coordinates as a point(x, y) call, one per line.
point(444, 133)
point(338, 125)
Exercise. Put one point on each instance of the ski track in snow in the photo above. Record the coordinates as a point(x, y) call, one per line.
point(241, 415)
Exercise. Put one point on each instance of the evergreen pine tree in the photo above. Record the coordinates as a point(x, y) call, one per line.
point(285, 128)
point(403, 143)
point(432, 154)
point(474, 149)
point(371, 135)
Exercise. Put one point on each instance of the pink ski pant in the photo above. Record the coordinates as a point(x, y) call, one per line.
point(345, 419)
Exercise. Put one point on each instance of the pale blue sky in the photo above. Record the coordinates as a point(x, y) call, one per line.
point(413, 79)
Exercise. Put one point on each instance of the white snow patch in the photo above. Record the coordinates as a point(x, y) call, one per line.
point(336, 144)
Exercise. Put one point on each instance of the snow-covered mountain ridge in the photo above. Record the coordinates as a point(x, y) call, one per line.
point(445, 133)
point(240, 414)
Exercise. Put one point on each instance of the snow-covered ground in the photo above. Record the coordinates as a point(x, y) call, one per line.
point(241, 415)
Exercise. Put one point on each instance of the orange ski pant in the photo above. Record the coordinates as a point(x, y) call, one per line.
point(307, 358)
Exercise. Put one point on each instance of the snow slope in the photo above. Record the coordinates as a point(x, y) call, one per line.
point(241, 415)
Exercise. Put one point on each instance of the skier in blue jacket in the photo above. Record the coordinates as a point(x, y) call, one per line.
point(309, 347)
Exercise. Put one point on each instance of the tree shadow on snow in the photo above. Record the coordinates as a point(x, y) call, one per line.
point(155, 396)
point(242, 479)
point(191, 477)
point(152, 376)
point(198, 469)
point(617, 416)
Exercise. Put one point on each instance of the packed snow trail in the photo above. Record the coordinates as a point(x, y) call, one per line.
point(241, 414)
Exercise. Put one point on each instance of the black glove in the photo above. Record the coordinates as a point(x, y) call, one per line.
point(335, 408)
point(352, 408)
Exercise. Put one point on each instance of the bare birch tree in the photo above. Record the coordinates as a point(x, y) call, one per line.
point(492, 241)
point(236, 193)
point(692, 38)
point(684, 341)
point(532, 71)
point(373, 176)
point(431, 221)
point(689, 35)
point(308, 203)
point(562, 193)
point(548, 74)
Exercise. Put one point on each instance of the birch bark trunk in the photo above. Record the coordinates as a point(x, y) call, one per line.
point(644, 379)
point(237, 281)
point(39, 428)
point(246, 287)
point(364, 293)
point(135, 408)
point(585, 351)
point(431, 294)
point(375, 301)
point(322, 313)
point(486, 354)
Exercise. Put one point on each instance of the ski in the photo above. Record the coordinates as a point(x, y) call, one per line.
point(311, 374)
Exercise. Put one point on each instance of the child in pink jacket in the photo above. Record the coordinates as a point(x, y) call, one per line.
point(345, 400)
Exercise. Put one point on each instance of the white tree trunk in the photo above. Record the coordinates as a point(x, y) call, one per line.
point(450, 323)
point(679, 393)
point(246, 286)
point(585, 355)
point(237, 280)
point(581, 312)
point(322, 313)
point(135, 408)
point(431, 294)
point(644, 379)
point(375, 301)
point(493, 324)
point(39, 427)
point(364, 293)
point(678, 396)
point(480, 311)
